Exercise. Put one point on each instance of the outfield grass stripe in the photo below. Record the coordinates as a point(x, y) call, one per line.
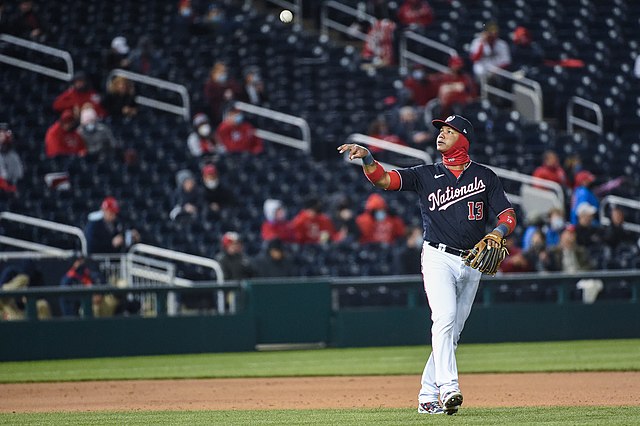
point(596, 355)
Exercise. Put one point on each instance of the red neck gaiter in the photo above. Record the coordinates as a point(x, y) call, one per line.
point(458, 154)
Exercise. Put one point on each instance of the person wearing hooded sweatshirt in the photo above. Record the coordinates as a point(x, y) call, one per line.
point(376, 224)
point(187, 197)
point(97, 135)
point(201, 141)
point(217, 196)
point(275, 224)
point(78, 94)
point(234, 262)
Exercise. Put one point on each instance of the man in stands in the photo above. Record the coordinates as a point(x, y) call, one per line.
point(488, 50)
point(78, 94)
point(237, 135)
point(105, 233)
point(551, 169)
point(312, 226)
point(63, 139)
point(11, 168)
point(377, 225)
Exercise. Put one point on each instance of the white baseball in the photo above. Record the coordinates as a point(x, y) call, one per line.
point(286, 16)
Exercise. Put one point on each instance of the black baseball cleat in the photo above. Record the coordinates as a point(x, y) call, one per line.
point(451, 401)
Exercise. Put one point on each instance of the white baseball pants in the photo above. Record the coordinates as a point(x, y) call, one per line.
point(451, 287)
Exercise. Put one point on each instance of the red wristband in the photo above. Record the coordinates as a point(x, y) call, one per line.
point(376, 174)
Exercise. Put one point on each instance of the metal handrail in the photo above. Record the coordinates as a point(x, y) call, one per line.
point(405, 54)
point(326, 22)
point(295, 7)
point(47, 224)
point(51, 51)
point(619, 201)
point(555, 187)
point(486, 87)
point(572, 120)
point(303, 144)
point(388, 146)
point(184, 110)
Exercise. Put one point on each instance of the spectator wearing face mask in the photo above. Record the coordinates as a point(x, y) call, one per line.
point(63, 139)
point(488, 50)
point(216, 195)
point(237, 135)
point(78, 94)
point(253, 89)
point(201, 141)
point(420, 89)
point(97, 135)
point(555, 226)
point(219, 90)
point(11, 167)
point(377, 225)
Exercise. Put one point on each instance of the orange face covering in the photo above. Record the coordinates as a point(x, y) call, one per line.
point(458, 154)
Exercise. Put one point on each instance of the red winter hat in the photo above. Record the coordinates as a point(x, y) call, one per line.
point(375, 202)
point(209, 170)
point(584, 178)
point(110, 204)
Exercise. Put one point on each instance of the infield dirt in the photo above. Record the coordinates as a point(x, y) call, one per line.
point(480, 390)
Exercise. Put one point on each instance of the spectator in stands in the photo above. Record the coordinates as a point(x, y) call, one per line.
point(97, 136)
point(253, 89)
point(537, 254)
point(582, 192)
point(27, 24)
point(572, 166)
point(345, 222)
point(238, 135)
point(146, 58)
point(216, 196)
point(377, 224)
point(312, 226)
point(80, 274)
point(568, 256)
point(234, 263)
point(219, 90)
point(120, 100)
point(410, 127)
point(378, 50)
point(201, 140)
point(63, 139)
point(379, 129)
point(419, 87)
point(524, 51)
point(11, 167)
point(275, 225)
point(551, 169)
point(78, 94)
point(104, 231)
point(614, 234)
point(187, 198)
point(554, 227)
point(408, 259)
point(454, 88)
point(274, 262)
point(487, 50)
point(118, 54)
point(587, 233)
point(415, 14)
point(17, 277)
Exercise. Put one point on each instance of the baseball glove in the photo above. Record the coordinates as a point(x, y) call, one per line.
point(486, 257)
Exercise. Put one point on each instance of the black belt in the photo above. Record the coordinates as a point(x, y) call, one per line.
point(447, 249)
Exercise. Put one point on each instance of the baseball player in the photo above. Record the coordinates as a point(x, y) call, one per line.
point(455, 197)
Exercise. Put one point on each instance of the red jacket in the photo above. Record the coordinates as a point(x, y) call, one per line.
point(422, 15)
point(554, 174)
point(71, 98)
point(277, 230)
point(386, 230)
point(59, 141)
point(239, 137)
point(309, 227)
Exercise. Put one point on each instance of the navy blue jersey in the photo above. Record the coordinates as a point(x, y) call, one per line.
point(455, 211)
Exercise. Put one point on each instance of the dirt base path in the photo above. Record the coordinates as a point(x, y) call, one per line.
point(480, 390)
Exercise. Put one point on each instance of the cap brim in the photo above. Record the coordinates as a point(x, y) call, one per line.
point(439, 123)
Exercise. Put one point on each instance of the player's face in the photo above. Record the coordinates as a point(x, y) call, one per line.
point(446, 138)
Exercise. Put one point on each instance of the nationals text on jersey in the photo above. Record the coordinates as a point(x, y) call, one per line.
point(450, 196)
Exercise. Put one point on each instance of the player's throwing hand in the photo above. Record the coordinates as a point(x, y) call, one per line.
point(355, 150)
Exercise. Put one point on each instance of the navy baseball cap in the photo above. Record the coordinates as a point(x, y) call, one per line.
point(459, 123)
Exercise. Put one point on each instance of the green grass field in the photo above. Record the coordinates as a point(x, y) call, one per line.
point(468, 416)
point(598, 355)
point(591, 355)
